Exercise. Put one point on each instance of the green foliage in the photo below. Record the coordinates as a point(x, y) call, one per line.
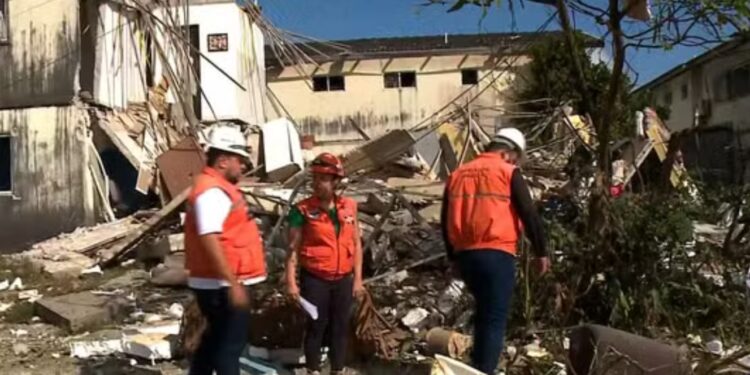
point(653, 281)
point(552, 74)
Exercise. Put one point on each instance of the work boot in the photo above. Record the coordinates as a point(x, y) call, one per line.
point(311, 372)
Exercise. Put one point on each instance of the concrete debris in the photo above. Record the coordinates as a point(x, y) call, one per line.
point(449, 298)
point(151, 342)
point(534, 350)
point(31, 295)
point(5, 306)
point(19, 332)
point(414, 317)
point(715, 346)
point(80, 311)
point(101, 343)
point(20, 349)
point(17, 284)
point(176, 311)
point(396, 278)
point(95, 270)
point(4, 285)
point(151, 346)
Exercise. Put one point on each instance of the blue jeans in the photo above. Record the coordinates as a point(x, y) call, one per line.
point(490, 276)
point(225, 336)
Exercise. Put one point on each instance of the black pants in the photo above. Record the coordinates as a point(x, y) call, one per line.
point(490, 276)
point(334, 301)
point(225, 335)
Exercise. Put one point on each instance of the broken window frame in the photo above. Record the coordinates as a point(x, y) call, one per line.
point(6, 143)
point(4, 23)
point(668, 98)
point(328, 83)
point(397, 80)
point(738, 82)
point(469, 77)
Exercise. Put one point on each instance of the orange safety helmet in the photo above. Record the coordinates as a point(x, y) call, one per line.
point(327, 163)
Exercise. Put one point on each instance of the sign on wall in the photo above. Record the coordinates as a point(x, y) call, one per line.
point(218, 42)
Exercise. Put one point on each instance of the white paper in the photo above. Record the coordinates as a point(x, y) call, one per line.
point(309, 308)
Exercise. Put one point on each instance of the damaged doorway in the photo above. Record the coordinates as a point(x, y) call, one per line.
point(192, 34)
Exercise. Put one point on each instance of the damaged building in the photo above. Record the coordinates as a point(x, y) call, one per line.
point(85, 85)
point(355, 89)
point(707, 97)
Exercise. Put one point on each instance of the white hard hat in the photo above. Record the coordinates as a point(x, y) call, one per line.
point(512, 136)
point(226, 137)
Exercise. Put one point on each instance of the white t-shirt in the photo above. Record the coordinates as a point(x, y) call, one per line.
point(211, 210)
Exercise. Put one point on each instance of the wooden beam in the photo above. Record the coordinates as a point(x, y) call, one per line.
point(152, 224)
point(449, 155)
point(359, 129)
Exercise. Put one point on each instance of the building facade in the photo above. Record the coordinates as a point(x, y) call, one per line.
point(709, 90)
point(395, 83)
point(711, 94)
point(65, 60)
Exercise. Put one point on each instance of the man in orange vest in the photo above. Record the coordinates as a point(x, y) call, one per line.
point(485, 207)
point(324, 238)
point(223, 253)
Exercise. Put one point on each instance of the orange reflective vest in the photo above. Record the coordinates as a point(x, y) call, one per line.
point(480, 213)
point(240, 238)
point(323, 253)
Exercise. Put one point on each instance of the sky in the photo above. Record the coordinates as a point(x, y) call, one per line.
point(352, 19)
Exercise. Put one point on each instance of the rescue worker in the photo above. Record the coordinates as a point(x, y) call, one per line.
point(324, 238)
point(485, 206)
point(223, 253)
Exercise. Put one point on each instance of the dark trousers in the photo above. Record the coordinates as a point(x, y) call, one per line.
point(334, 301)
point(490, 276)
point(225, 336)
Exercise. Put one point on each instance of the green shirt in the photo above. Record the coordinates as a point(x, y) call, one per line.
point(296, 219)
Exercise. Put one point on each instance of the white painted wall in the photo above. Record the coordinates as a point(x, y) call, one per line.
point(120, 58)
point(706, 82)
point(244, 61)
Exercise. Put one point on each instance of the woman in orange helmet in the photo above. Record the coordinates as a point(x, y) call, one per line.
point(324, 239)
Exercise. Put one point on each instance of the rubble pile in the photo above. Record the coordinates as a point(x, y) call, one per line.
point(414, 309)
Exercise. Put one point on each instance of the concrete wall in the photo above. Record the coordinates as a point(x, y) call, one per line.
point(51, 189)
point(707, 82)
point(376, 108)
point(119, 74)
point(39, 65)
point(243, 61)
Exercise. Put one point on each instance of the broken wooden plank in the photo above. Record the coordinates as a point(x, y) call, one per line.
point(117, 252)
point(409, 266)
point(359, 129)
point(449, 155)
point(379, 151)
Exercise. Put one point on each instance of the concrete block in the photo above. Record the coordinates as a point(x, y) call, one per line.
point(81, 311)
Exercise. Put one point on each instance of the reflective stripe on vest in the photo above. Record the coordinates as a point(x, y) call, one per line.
point(240, 238)
point(480, 213)
point(322, 253)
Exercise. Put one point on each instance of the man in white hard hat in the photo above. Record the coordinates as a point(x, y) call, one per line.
point(223, 253)
point(485, 207)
